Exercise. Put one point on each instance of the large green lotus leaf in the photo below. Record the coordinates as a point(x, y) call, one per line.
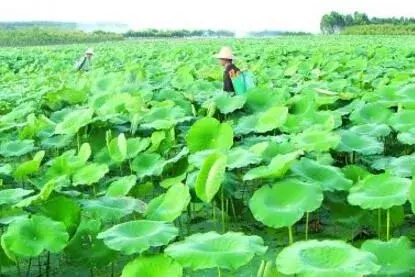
point(164, 117)
point(6, 169)
point(259, 100)
point(372, 130)
point(153, 266)
point(62, 209)
point(316, 140)
point(117, 148)
point(211, 250)
point(208, 133)
point(386, 96)
point(197, 159)
point(407, 137)
point(169, 206)
point(380, 192)
point(121, 186)
point(371, 113)
point(262, 122)
point(329, 178)
point(73, 121)
point(56, 142)
point(277, 168)
point(156, 139)
point(285, 202)
point(271, 119)
point(111, 208)
point(401, 166)
point(228, 104)
point(90, 174)
point(12, 196)
point(210, 176)
point(169, 182)
point(29, 237)
point(148, 164)
point(84, 249)
point(239, 157)
point(136, 146)
point(407, 96)
point(355, 172)
point(326, 258)
point(138, 236)
point(16, 148)
point(326, 120)
point(403, 121)
point(353, 142)
point(396, 256)
point(29, 167)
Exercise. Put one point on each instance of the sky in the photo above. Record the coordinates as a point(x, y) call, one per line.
point(236, 15)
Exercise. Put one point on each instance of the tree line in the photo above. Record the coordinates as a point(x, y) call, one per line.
point(156, 33)
point(335, 22)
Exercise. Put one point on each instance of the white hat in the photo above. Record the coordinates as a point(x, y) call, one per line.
point(225, 53)
point(90, 51)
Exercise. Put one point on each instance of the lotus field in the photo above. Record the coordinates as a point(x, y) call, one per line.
point(145, 167)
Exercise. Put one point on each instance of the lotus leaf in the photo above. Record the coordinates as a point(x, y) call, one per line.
point(285, 202)
point(90, 174)
point(12, 196)
point(73, 121)
point(29, 167)
point(16, 148)
point(138, 236)
point(117, 149)
point(210, 250)
point(136, 146)
point(239, 157)
point(121, 186)
point(148, 164)
point(228, 104)
point(29, 237)
point(169, 206)
point(326, 259)
point(164, 117)
point(277, 168)
point(372, 130)
point(316, 140)
point(263, 122)
point(353, 142)
point(329, 178)
point(380, 192)
point(111, 209)
point(210, 177)
point(208, 133)
point(371, 113)
point(396, 257)
point(403, 121)
point(153, 266)
point(407, 137)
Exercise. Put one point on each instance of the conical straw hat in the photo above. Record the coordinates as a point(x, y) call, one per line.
point(225, 53)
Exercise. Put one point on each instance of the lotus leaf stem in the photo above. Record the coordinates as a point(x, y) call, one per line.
point(379, 222)
point(388, 219)
point(219, 273)
point(222, 207)
point(307, 215)
point(261, 269)
point(290, 235)
point(29, 264)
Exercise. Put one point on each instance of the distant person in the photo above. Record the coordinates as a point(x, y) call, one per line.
point(84, 64)
point(226, 58)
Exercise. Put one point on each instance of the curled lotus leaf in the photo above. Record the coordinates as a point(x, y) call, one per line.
point(380, 192)
point(209, 133)
point(211, 250)
point(277, 168)
point(148, 164)
point(285, 202)
point(326, 258)
point(138, 236)
point(228, 104)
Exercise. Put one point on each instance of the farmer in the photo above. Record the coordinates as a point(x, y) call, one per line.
point(226, 58)
point(84, 64)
